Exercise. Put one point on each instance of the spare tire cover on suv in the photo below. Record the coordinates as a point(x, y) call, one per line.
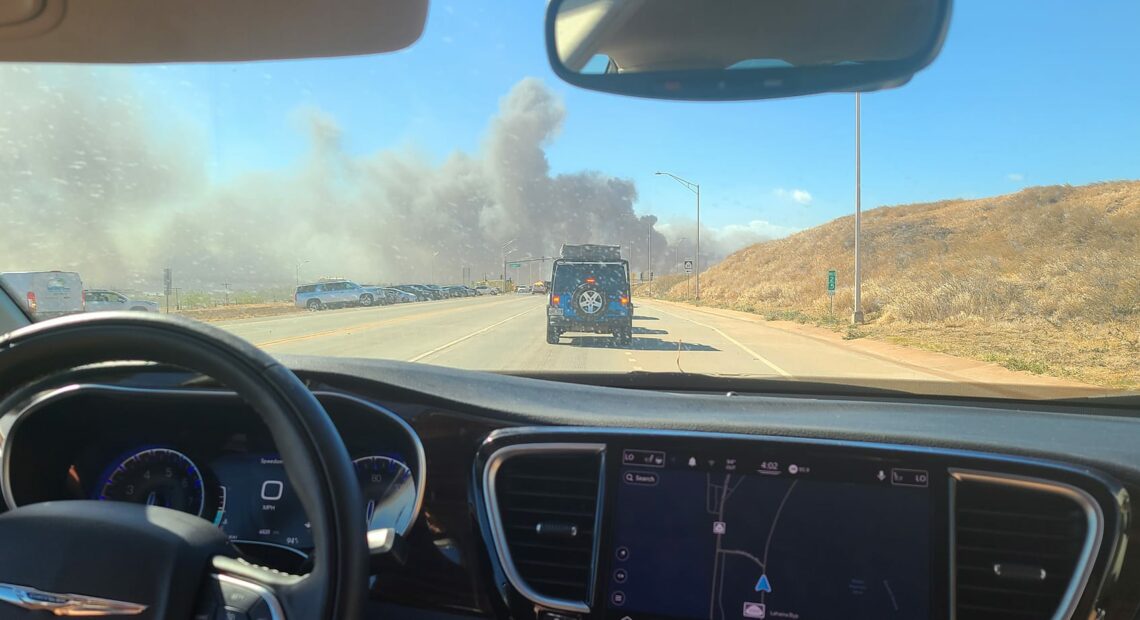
point(589, 300)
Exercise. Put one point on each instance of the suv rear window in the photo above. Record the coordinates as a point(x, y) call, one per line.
point(307, 288)
point(609, 276)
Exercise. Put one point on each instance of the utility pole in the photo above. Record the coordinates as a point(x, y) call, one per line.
point(177, 301)
point(167, 285)
point(226, 286)
point(505, 252)
point(857, 314)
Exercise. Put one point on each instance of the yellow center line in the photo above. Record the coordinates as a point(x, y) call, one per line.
point(360, 327)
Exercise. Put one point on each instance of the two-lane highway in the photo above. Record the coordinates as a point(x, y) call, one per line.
point(507, 333)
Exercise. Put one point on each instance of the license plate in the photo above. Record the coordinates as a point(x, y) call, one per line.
point(554, 312)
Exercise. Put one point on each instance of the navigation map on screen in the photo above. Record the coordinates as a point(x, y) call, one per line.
point(770, 540)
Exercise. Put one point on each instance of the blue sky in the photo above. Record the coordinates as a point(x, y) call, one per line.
point(1024, 93)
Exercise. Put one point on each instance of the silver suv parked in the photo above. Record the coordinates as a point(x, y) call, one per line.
point(336, 294)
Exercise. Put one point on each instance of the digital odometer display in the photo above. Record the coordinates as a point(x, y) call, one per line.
point(258, 503)
point(721, 536)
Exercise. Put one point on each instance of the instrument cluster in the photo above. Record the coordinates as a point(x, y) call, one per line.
point(207, 454)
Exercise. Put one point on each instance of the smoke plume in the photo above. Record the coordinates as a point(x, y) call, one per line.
point(95, 179)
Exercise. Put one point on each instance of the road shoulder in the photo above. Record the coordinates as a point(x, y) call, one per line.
point(947, 366)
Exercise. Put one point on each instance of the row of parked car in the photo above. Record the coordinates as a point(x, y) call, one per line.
point(48, 294)
point(344, 293)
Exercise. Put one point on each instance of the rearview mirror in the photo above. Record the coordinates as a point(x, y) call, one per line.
point(742, 49)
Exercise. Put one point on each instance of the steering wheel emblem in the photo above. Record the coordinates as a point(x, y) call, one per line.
point(66, 604)
point(590, 301)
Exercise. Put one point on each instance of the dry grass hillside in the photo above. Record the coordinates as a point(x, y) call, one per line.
point(1045, 280)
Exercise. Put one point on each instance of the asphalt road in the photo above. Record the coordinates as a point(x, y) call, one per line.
point(507, 333)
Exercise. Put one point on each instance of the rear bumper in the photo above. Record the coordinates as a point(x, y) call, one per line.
point(603, 325)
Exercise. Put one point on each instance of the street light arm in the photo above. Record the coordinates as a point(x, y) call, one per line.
point(689, 185)
point(696, 189)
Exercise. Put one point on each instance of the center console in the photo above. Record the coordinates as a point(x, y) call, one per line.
point(642, 525)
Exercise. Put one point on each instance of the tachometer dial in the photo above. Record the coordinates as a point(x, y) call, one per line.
point(157, 477)
point(389, 492)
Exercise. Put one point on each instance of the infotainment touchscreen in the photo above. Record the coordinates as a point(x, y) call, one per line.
point(725, 537)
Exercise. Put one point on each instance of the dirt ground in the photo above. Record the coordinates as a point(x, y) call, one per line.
point(242, 311)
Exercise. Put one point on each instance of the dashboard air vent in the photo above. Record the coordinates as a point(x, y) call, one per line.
point(1018, 548)
point(547, 504)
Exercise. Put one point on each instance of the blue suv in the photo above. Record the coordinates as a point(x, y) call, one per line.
point(590, 293)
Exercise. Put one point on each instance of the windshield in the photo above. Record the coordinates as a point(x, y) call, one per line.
point(569, 276)
point(999, 235)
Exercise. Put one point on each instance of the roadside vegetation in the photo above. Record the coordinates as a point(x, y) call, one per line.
point(1045, 280)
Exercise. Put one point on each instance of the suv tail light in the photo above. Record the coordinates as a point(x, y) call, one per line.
point(31, 301)
point(624, 300)
point(555, 300)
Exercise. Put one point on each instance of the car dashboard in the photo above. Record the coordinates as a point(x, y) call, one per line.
point(526, 498)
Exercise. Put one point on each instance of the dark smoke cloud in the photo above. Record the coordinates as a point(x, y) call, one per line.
point(95, 180)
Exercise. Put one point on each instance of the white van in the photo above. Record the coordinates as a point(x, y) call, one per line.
point(45, 294)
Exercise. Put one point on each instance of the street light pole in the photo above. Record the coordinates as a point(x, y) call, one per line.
point(432, 273)
point(857, 314)
point(297, 272)
point(650, 259)
point(696, 189)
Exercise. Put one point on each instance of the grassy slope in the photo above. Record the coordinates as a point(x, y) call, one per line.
point(1046, 279)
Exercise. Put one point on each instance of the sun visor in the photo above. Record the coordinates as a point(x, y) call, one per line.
point(139, 31)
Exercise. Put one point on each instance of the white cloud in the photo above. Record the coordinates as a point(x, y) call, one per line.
point(1015, 176)
point(801, 196)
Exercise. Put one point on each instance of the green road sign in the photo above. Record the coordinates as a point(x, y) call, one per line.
point(831, 282)
point(516, 265)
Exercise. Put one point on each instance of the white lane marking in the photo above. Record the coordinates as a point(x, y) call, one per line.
point(468, 336)
point(734, 341)
point(638, 368)
point(632, 361)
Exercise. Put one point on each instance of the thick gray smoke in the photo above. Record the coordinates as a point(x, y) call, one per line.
point(95, 179)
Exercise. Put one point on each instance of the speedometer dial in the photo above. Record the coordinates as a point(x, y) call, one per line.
point(157, 477)
point(389, 492)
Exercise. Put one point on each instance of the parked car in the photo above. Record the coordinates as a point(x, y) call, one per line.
point(45, 294)
point(427, 293)
point(334, 294)
point(538, 288)
point(522, 290)
point(382, 297)
point(97, 300)
point(420, 294)
point(400, 297)
point(483, 289)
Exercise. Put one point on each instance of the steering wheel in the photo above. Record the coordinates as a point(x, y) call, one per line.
point(95, 558)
